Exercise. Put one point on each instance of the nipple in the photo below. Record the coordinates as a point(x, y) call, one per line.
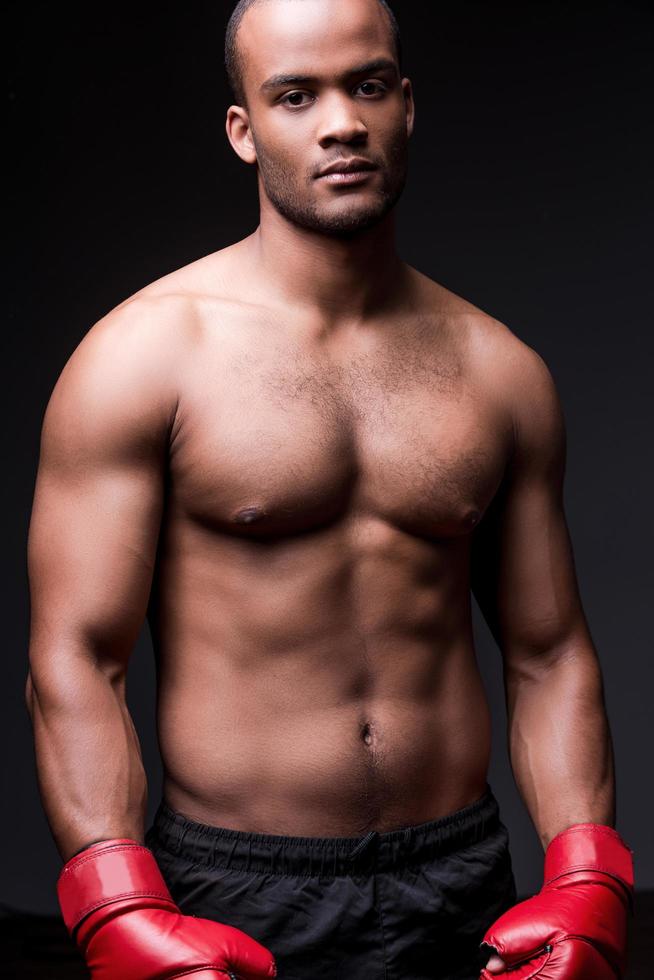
point(248, 515)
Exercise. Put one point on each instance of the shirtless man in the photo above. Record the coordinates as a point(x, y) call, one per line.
point(299, 456)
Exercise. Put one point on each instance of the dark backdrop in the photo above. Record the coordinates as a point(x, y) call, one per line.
point(530, 194)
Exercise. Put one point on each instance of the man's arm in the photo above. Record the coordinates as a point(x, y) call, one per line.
point(523, 578)
point(91, 548)
point(92, 543)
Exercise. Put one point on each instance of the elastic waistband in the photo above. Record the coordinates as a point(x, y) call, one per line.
point(220, 847)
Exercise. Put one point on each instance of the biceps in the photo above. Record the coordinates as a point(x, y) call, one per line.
point(523, 573)
point(91, 551)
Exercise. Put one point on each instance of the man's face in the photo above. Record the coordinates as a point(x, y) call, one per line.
point(323, 86)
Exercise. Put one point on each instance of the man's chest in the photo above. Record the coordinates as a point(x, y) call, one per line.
point(276, 442)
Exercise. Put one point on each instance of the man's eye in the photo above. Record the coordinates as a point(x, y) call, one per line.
point(285, 100)
point(294, 96)
point(373, 85)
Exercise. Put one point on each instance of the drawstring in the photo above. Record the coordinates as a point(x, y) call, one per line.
point(363, 843)
point(180, 839)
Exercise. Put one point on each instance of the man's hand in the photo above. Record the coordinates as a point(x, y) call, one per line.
point(576, 927)
point(115, 902)
point(494, 965)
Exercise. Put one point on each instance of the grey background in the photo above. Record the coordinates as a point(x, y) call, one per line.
point(530, 194)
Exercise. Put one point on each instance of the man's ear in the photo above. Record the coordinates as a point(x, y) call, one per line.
point(409, 104)
point(237, 126)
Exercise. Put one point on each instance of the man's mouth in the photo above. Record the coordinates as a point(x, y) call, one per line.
point(347, 170)
point(347, 178)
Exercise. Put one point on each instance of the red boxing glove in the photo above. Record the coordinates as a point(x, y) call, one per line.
point(116, 905)
point(576, 927)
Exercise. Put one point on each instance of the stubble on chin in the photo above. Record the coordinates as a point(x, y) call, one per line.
point(295, 197)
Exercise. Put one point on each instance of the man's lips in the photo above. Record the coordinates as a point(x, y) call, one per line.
point(347, 178)
point(348, 166)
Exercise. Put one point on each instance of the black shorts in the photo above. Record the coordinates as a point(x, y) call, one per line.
point(409, 904)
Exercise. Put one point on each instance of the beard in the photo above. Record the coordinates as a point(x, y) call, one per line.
point(294, 201)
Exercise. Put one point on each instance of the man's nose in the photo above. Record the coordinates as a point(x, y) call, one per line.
point(340, 121)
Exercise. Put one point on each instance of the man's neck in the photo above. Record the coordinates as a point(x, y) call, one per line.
point(341, 280)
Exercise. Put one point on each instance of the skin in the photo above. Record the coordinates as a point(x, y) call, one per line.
point(300, 457)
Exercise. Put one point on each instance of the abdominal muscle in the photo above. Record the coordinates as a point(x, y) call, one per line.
point(319, 744)
point(323, 685)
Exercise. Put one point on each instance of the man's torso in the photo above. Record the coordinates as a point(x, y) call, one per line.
point(311, 607)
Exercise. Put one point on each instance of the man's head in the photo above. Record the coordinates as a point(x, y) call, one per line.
point(234, 58)
point(318, 81)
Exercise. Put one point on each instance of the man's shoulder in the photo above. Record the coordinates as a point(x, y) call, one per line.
point(162, 316)
point(139, 350)
point(126, 366)
point(137, 336)
point(520, 381)
point(517, 373)
point(502, 363)
point(210, 276)
point(487, 339)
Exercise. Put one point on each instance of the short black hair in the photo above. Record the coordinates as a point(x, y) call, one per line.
point(234, 61)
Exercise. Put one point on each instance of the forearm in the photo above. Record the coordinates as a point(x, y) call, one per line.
point(88, 759)
point(560, 743)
